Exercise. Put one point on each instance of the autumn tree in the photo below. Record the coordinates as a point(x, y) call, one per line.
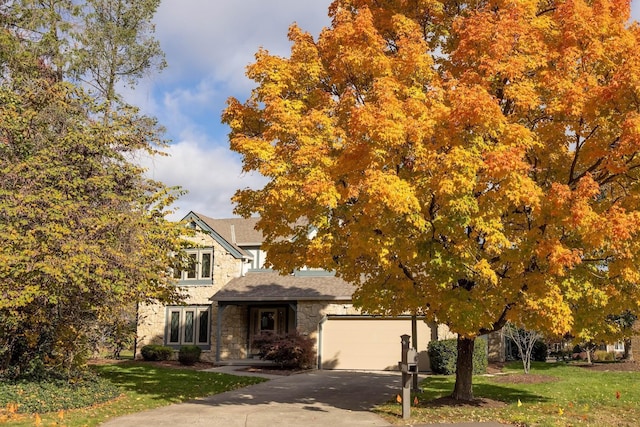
point(474, 162)
point(82, 232)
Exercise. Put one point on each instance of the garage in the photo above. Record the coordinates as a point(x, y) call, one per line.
point(368, 342)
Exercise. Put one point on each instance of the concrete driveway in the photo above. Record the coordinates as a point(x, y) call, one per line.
point(316, 398)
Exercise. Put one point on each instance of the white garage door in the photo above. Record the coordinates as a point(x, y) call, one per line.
point(361, 342)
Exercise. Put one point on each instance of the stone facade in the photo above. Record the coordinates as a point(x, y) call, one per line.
point(152, 318)
point(233, 333)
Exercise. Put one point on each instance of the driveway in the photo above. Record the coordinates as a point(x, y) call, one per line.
point(316, 398)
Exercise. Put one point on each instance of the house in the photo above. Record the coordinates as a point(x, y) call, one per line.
point(231, 298)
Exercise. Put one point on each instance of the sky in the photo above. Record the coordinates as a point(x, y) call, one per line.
point(208, 46)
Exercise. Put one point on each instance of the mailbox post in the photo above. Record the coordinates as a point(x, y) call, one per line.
point(408, 366)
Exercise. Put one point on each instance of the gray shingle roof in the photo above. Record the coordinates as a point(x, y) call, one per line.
point(270, 286)
point(237, 231)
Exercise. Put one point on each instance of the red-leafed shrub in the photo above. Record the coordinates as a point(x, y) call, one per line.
point(291, 351)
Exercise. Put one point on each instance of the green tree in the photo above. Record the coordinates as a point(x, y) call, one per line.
point(474, 162)
point(83, 233)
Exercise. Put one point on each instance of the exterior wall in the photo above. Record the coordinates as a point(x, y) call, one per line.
point(496, 346)
point(310, 313)
point(152, 318)
point(233, 333)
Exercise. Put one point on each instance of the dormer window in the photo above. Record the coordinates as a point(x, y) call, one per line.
point(199, 266)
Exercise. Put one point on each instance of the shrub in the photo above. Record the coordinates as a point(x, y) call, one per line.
point(154, 352)
point(292, 350)
point(540, 351)
point(443, 355)
point(189, 354)
point(603, 355)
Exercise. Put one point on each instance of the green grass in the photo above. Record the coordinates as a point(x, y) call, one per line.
point(574, 396)
point(142, 386)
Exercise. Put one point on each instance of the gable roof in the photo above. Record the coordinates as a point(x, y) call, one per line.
point(238, 231)
point(271, 286)
point(232, 233)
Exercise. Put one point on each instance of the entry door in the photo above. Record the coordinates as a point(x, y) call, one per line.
point(268, 320)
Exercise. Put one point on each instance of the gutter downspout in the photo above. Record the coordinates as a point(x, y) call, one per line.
point(320, 324)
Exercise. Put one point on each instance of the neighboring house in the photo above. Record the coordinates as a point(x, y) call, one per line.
point(230, 298)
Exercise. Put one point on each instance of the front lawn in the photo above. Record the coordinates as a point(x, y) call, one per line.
point(554, 394)
point(141, 386)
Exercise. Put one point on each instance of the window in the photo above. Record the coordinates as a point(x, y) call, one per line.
point(205, 264)
point(188, 325)
point(618, 346)
point(199, 266)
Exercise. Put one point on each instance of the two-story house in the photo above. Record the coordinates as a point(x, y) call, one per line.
point(231, 298)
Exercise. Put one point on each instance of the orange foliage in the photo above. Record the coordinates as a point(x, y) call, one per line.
point(474, 161)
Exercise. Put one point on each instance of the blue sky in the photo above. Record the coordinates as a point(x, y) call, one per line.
point(208, 46)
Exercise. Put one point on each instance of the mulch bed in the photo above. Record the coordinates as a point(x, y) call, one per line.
point(163, 363)
point(521, 378)
point(613, 366)
point(271, 370)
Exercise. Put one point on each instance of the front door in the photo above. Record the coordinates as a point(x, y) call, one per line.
point(266, 319)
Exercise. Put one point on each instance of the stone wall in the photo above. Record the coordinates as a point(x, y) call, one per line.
point(152, 317)
point(233, 333)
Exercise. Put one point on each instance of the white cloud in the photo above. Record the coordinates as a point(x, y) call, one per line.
point(210, 174)
point(208, 46)
point(219, 39)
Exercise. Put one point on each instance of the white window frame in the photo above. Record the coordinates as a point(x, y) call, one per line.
point(199, 255)
point(182, 313)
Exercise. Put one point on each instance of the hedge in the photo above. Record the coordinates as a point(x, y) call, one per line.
point(443, 355)
point(154, 352)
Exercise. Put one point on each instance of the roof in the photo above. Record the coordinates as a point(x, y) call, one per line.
point(234, 234)
point(271, 286)
point(237, 231)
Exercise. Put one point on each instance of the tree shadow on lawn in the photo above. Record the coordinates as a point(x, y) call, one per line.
point(435, 388)
point(170, 384)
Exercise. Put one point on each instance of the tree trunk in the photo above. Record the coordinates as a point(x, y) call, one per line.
point(628, 350)
point(463, 389)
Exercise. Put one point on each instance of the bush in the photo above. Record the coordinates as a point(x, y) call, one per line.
point(292, 350)
point(604, 356)
point(189, 354)
point(154, 352)
point(443, 355)
point(540, 351)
